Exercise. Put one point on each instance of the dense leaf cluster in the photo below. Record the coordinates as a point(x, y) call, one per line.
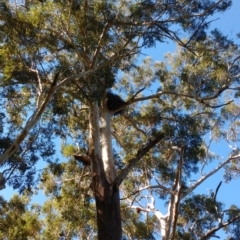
point(160, 141)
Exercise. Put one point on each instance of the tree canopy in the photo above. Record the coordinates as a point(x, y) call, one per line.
point(108, 137)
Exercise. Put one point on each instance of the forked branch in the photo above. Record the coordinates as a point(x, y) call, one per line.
point(30, 123)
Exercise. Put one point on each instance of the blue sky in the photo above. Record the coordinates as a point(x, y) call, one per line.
point(229, 193)
point(229, 24)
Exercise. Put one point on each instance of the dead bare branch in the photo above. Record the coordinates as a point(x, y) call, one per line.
point(135, 94)
point(218, 106)
point(150, 187)
point(205, 177)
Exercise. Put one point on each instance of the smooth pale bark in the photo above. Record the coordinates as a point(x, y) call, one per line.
point(163, 220)
point(106, 196)
point(106, 144)
point(168, 221)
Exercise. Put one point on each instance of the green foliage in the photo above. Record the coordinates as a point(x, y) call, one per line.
point(233, 230)
point(68, 150)
point(184, 98)
point(202, 208)
point(135, 227)
point(17, 222)
point(69, 208)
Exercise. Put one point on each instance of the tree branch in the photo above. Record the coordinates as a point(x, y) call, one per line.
point(216, 192)
point(203, 178)
point(140, 153)
point(185, 95)
point(219, 215)
point(134, 124)
point(150, 187)
point(218, 106)
point(167, 20)
point(213, 230)
point(135, 94)
point(30, 123)
point(97, 50)
point(177, 188)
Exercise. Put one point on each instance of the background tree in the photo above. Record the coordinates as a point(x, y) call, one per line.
point(78, 51)
point(18, 222)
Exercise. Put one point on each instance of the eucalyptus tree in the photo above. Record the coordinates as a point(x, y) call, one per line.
point(75, 51)
point(195, 105)
point(17, 221)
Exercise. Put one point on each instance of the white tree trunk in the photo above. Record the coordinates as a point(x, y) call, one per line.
point(163, 220)
point(106, 144)
point(103, 172)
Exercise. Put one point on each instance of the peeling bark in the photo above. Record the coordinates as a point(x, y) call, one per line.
point(106, 196)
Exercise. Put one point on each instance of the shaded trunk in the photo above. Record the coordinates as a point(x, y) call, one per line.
point(103, 173)
point(108, 212)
